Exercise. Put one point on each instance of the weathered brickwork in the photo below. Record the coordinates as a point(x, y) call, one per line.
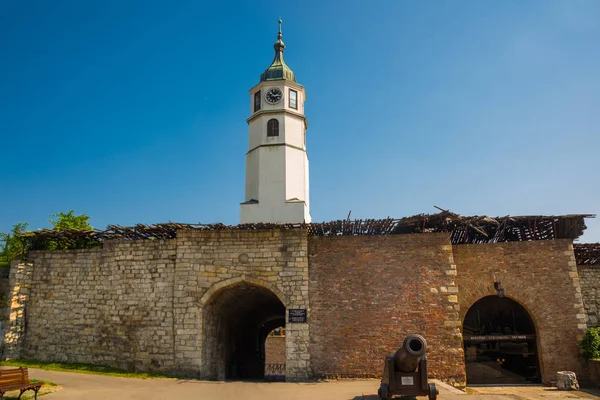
point(589, 279)
point(368, 292)
point(178, 306)
point(275, 350)
point(542, 277)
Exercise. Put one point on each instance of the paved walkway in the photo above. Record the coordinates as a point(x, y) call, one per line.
point(95, 387)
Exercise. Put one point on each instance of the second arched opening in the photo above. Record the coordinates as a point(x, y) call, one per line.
point(500, 343)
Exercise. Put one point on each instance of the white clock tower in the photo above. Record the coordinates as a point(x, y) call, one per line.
point(276, 162)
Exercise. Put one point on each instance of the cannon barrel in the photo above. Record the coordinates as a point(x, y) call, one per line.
point(407, 357)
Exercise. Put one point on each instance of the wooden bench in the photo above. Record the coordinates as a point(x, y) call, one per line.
point(17, 379)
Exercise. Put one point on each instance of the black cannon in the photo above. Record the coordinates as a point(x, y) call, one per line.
point(405, 373)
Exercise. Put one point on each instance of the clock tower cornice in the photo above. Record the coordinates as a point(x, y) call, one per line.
point(281, 82)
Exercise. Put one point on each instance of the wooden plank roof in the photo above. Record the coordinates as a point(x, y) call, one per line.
point(463, 230)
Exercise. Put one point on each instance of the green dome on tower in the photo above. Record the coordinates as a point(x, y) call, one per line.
point(278, 69)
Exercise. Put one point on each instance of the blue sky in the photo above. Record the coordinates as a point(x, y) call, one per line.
point(134, 111)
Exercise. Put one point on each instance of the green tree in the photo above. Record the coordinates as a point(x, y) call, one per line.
point(11, 245)
point(590, 345)
point(69, 220)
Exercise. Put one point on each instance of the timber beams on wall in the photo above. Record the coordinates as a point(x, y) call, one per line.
point(464, 230)
point(587, 253)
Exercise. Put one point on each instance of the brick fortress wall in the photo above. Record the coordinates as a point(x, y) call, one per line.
point(542, 277)
point(275, 350)
point(139, 304)
point(368, 292)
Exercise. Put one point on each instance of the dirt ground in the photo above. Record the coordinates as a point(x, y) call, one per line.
point(96, 387)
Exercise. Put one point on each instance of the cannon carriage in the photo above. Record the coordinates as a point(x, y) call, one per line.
point(405, 373)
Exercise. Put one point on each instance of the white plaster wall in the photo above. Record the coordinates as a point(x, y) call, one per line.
point(294, 131)
point(274, 177)
point(295, 174)
point(252, 165)
point(287, 213)
point(306, 189)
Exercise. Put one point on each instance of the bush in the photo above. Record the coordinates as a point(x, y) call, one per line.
point(590, 345)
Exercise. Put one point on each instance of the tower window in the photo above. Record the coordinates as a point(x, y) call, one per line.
point(257, 101)
point(293, 99)
point(273, 127)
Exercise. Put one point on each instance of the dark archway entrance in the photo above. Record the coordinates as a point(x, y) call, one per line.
point(500, 343)
point(236, 322)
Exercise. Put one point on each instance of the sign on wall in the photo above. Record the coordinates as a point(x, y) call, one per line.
point(500, 337)
point(297, 315)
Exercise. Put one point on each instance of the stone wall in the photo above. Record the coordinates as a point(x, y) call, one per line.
point(208, 262)
point(110, 306)
point(20, 284)
point(139, 304)
point(589, 278)
point(172, 305)
point(4, 304)
point(368, 292)
point(542, 277)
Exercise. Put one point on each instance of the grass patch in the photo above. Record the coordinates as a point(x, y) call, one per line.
point(49, 387)
point(83, 368)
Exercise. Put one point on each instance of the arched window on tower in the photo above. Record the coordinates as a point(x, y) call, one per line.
point(273, 127)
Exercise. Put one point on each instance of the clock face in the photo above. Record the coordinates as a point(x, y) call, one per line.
point(273, 96)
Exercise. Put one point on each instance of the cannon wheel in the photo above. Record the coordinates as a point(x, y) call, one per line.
point(433, 392)
point(383, 392)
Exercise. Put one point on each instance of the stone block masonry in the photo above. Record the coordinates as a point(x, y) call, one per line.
point(589, 279)
point(110, 306)
point(138, 305)
point(209, 262)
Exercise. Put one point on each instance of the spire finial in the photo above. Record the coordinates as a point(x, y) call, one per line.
point(278, 69)
point(279, 34)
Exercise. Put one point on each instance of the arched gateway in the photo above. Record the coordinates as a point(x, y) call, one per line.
point(236, 320)
point(500, 343)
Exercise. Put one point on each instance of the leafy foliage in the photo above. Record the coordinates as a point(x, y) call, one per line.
point(69, 220)
point(590, 345)
point(64, 222)
point(12, 245)
point(19, 241)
